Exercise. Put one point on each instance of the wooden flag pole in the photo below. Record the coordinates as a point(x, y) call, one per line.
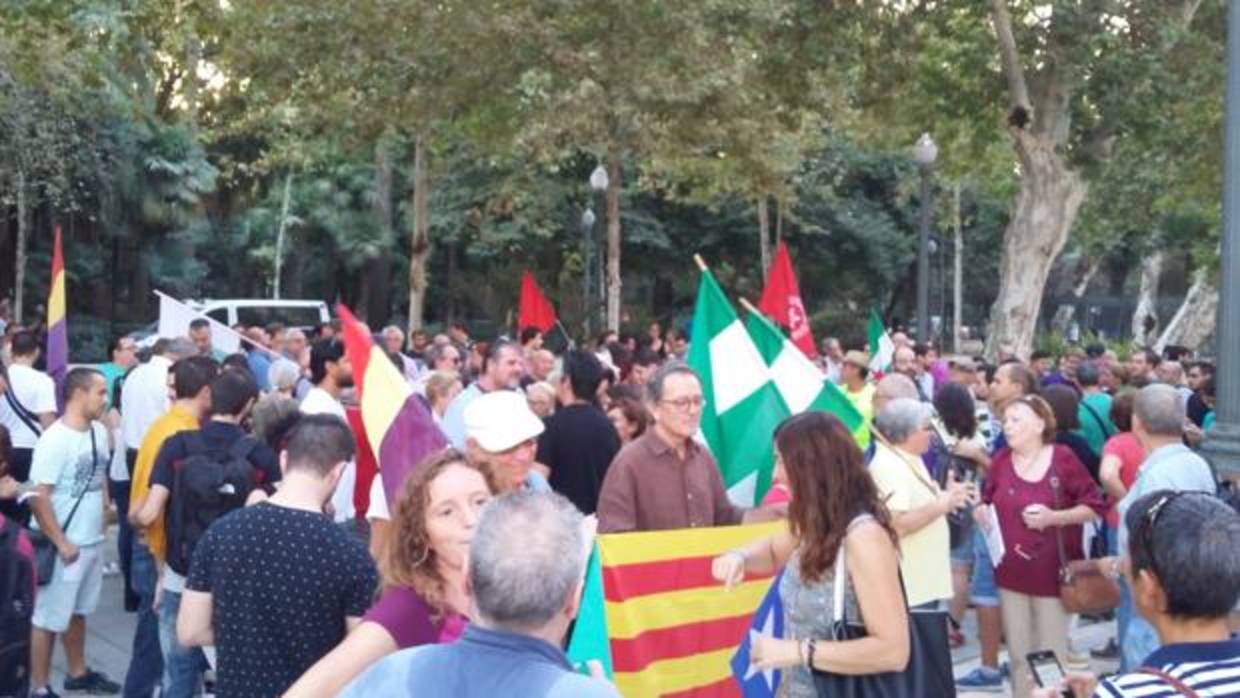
point(750, 307)
point(701, 264)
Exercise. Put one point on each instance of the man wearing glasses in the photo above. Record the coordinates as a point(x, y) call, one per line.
point(665, 479)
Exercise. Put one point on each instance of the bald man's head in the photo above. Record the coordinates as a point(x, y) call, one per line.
point(892, 387)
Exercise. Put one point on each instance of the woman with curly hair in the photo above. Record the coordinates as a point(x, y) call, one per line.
point(422, 564)
point(835, 510)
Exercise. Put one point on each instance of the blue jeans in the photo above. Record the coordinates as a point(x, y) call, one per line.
point(983, 591)
point(183, 666)
point(119, 489)
point(146, 663)
point(1137, 638)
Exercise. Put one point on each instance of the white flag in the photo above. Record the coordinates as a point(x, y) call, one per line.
point(175, 317)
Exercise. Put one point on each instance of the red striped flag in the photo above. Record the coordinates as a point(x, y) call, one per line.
point(398, 426)
point(670, 628)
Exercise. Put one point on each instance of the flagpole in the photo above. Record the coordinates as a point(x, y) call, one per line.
point(571, 343)
point(701, 264)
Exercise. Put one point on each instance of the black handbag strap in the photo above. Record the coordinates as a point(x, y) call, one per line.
point(28, 418)
point(94, 464)
point(1063, 557)
point(1180, 686)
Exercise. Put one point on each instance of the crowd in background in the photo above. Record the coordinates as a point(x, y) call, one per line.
point(251, 519)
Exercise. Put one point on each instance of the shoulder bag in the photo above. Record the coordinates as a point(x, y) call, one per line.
point(45, 552)
point(1083, 586)
point(1179, 686)
point(929, 668)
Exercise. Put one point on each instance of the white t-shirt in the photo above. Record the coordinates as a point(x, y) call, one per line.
point(319, 401)
point(63, 459)
point(378, 510)
point(925, 556)
point(36, 392)
point(144, 398)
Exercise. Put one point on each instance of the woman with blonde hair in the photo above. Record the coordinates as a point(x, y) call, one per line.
point(441, 388)
point(422, 564)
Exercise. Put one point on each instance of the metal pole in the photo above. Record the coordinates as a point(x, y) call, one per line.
point(600, 258)
point(587, 268)
point(958, 286)
point(923, 261)
point(1222, 446)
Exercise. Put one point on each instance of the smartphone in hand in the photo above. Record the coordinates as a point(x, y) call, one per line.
point(1047, 671)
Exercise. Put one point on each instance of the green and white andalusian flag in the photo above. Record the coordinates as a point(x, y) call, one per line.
point(882, 349)
point(801, 385)
point(743, 405)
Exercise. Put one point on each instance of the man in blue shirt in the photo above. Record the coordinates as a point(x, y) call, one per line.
point(526, 567)
point(1158, 422)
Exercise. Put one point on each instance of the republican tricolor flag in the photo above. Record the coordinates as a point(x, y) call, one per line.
point(657, 620)
point(399, 427)
point(57, 327)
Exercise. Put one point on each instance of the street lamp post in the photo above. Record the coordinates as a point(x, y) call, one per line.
point(587, 243)
point(1222, 445)
point(599, 181)
point(924, 154)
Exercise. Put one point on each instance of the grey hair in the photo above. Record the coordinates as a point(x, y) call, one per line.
point(901, 418)
point(181, 348)
point(294, 332)
point(1192, 545)
point(435, 352)
point(283, 374)
point(1161, 410)
point(393, 328)
point(654, 388)
point(526, 558)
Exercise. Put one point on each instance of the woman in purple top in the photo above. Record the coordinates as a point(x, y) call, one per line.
point(422, 563)
point(1039, 490)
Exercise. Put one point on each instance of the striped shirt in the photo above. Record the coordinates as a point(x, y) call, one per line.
point(1211, 669)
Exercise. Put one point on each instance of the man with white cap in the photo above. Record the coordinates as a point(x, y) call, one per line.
point(501, 431)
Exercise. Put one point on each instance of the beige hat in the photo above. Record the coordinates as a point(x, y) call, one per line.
point(859, 359)
point(500, 420)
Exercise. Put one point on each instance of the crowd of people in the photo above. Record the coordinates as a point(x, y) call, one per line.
point(260, 551)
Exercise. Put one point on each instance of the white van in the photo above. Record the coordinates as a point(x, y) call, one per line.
point(305, 315)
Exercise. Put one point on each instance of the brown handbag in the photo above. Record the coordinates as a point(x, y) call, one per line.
point(1083, 586)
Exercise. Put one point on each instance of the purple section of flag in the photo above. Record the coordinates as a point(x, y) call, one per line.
point(58, 356)
point(411, 437)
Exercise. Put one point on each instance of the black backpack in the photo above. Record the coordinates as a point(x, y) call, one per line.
point(206, 485)
point(16, 609)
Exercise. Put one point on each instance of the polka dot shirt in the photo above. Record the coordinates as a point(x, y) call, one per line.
point(282, 583)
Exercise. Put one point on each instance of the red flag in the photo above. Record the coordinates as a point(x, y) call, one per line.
point(535, 309)
point(781, 301)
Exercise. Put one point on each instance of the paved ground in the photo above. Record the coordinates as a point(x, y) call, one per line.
point(110, 634)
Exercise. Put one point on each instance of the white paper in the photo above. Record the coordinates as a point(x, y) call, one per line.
point(994, 537)
point(74, 571)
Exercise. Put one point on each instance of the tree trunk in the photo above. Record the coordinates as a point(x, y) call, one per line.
point(1050, 196)
point(613, 239)
point(764, 233)
point(23, 235)
point(420, 241)
point(378, 267)
point(280, 230)
point(1066, 312)
point(1145, 317)
point(779, 220)
point(1194, 321)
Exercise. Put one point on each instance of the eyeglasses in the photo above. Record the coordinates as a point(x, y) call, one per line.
point(684, 404)
point(1151, 519)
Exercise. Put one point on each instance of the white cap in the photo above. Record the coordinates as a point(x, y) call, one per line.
point(500, 420)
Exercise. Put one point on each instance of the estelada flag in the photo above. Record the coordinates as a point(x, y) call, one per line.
point(57, 327)
point(534, 310)
point(398, 426)
point(781, 301)
point(655, 618)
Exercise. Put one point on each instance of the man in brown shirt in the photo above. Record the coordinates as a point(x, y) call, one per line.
point(665, 479)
